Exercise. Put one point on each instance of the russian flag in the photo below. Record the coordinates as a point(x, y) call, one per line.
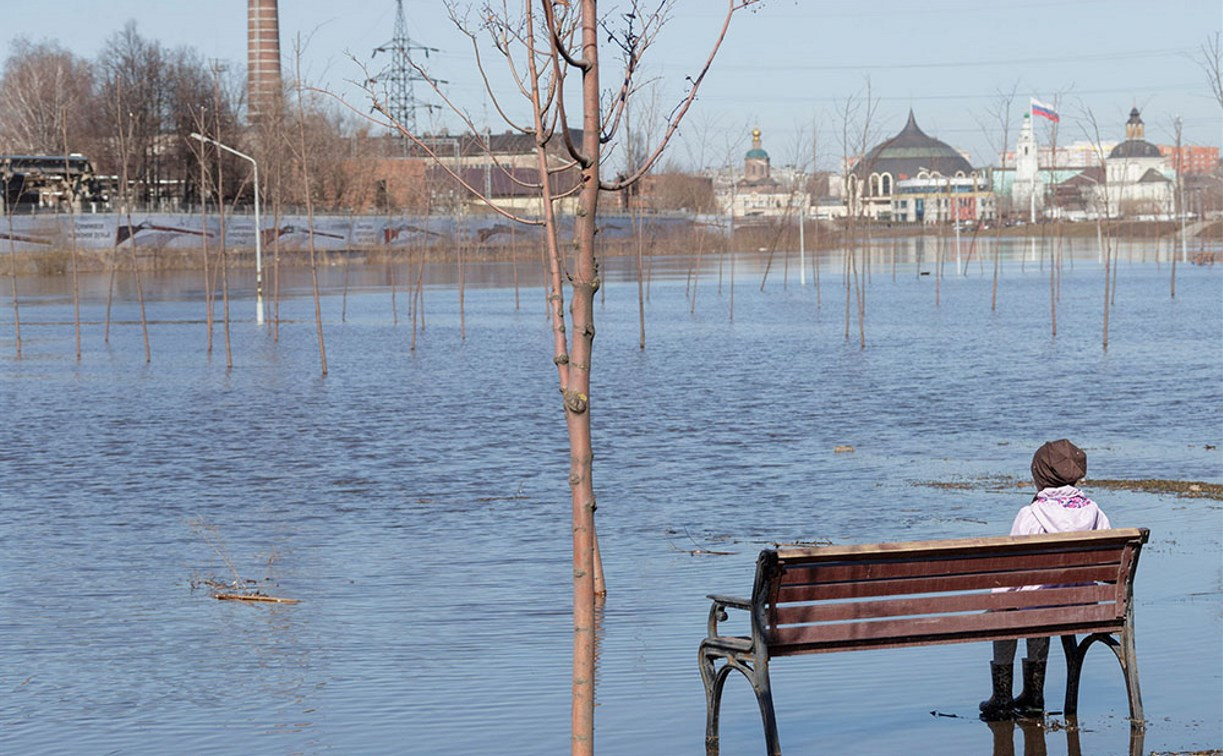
point(1041, 109)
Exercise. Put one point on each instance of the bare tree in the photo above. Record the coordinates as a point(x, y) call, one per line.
point(850, 187)
point(137, 67)
point(125, 199)
point(303, 157)
point(1000, 114)
point(810, 183)
point(46, 94)
point(1211, 60)
point(161, 89)
point(544, 47)
point(1102, 206)
point(1178, 198)
point(12, 271)
point(1055, 249)
point(857, 117)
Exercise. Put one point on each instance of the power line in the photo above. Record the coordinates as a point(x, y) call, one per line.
point(740, 98)
point(975, 62)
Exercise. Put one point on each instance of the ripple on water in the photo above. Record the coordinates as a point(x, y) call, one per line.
point(416, 503)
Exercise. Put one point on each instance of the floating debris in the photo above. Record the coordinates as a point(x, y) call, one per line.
point(254, 597)
point(800, 544)
point(699, 550)
point(843, 449)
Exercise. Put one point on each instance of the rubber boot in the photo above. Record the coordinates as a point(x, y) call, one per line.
point(998, 706)
point(1031, 701)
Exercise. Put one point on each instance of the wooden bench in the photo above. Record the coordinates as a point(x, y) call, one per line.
point(889, 595)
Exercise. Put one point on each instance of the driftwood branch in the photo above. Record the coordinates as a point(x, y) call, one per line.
point(256, 597)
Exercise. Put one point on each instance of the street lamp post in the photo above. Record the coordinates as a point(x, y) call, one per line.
point(258, 227)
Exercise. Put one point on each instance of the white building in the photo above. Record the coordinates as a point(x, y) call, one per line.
point(1138, 180)
point(758, 193)
point(1134, 180)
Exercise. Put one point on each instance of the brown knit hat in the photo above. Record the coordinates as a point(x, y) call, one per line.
point(1058, 463)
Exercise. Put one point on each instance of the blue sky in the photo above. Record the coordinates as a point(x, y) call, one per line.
point(786, 67)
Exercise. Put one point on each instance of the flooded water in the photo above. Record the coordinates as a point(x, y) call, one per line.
point(417, 505)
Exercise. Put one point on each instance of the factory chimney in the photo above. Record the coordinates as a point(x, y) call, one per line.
point(263, 85)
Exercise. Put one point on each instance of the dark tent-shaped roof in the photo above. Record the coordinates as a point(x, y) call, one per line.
point(911, 151)
point(1135, 148)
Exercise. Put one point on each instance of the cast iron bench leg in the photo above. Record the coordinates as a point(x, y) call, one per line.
point(714, 680)
point(1126, 656)
point(1074, 669)
point(764, 696)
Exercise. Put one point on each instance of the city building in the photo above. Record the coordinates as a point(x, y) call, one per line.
point(915, 178)
point(1135, 181)
point(1192, 159)
point(502, 167)
point(1032, 169)
point(1137, 178)
point(1130, 178)
point(758, 192)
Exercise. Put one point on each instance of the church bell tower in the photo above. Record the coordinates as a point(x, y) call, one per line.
point(1028, 191)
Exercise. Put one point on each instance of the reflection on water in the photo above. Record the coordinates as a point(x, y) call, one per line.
point(416, 501)
point(1036, 737)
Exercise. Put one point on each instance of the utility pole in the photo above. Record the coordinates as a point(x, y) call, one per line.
point(401, 75)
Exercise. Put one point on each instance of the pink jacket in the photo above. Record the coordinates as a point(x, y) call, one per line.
point(1059, 510)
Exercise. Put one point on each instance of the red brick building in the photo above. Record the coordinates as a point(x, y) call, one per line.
point(1194, 158)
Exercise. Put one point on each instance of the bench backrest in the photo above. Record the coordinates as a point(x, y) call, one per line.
point(922, 592)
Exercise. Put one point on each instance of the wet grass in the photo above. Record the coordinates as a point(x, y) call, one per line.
point(1190, 489)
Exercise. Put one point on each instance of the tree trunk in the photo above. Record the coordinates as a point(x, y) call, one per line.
point(577, 395)
point(12, 271)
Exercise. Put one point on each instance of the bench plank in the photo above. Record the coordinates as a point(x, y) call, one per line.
point(950, 546)
point(920, 629)
point(943, 584)
point(798, 614)
point(893, 567)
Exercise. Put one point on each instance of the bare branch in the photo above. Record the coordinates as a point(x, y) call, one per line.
point(381, 108)
point(673, 123)
point(559, 45)
point(460, 24)
point(558, 52)
point(1212, 63)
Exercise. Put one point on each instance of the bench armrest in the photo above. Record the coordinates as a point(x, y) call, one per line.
point(717, 611)
point(732, 601)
